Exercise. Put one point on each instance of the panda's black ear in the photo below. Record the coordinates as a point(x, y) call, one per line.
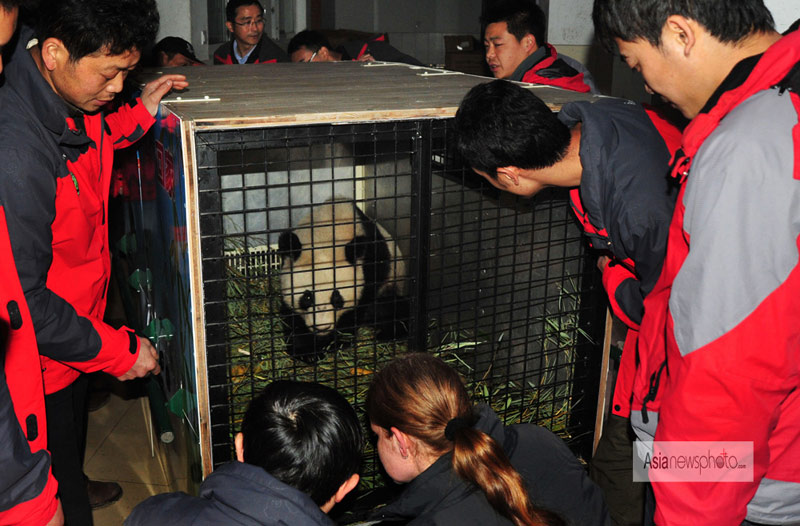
point(289, 245)
point(356, 249)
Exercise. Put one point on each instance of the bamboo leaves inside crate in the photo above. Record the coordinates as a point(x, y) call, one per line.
point(257, 356)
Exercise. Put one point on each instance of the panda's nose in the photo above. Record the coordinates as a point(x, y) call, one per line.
point(337, 301)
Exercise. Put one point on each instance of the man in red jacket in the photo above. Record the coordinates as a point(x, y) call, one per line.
point(248, 43)
point(514, 37)
point(719, 346)
point(56, 154)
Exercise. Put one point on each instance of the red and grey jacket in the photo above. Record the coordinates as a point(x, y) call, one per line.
point(55, 174)
point(265, 52)
point(544, 66)
point(378, 48)
point(719, 345)
point(27, 486)
point(624, 204)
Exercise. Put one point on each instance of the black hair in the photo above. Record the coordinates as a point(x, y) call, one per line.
point(8, 5)
point(521, 17)
point(630, 20)
point(311, 40)
point(304, 434)
point(501, 124)
point(233, 5)
point(88, 26)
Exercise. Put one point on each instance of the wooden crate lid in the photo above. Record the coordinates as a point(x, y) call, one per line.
point(332, 92)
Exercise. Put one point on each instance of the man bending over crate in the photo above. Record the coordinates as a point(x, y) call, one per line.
point(298, 455)
point(612, 155)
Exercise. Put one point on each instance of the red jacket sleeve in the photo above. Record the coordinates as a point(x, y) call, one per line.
point(621, 284)
point(129, 124)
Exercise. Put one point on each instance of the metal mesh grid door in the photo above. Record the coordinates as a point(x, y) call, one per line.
point(501, 288)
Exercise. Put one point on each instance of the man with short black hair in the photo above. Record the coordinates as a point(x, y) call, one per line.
point(174, 52)
point(248, 43)
point(719, 345)
point(56, 155)
point(298, 454)
point(516, 49)
point(613, 154)
point(312, 46)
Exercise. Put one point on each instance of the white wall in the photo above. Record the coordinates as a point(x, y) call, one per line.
point(570, 22)
point(416, 27)
point(784, 11)
point(176, 19)
point(187, 19)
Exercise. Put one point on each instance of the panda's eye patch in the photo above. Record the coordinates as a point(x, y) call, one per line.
point(306, 300)
point(337, 300)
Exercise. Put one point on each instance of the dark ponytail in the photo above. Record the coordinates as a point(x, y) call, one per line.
point(425, 398)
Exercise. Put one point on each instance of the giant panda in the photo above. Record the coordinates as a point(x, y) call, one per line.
point(339, 270)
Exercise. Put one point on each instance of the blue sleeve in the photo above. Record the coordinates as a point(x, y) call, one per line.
point(23, 475)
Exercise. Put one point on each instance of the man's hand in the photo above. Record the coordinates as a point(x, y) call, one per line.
point(155, 90)
point(58, 518)
point(602, 262)
point(146, 362)
point(366, 57)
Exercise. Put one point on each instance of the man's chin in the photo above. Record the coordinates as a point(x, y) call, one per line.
point(96, 105)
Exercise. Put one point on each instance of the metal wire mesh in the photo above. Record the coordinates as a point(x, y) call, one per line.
point(501, 288)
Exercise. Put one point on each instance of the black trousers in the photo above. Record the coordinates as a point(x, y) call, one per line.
point(66, 440)
point(612, 469)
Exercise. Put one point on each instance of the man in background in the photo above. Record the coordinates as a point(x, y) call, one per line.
point(516, 49)
point(174, 52)
point(312, 46)
point(248, 43)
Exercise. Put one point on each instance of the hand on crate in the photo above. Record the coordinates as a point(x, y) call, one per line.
point(155, 90)
point(146, 362)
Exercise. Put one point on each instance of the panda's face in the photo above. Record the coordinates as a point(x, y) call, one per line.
point(320, 290)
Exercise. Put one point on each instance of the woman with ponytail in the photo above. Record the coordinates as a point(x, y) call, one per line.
point(462, 465)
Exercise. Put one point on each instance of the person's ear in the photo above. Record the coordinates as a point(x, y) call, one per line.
point(238, 444)
point(229, 25)
point(509, 173)
point(54, 53)
point(529, 41)
point(346, 487)
point(681, 31)
point(403, 442)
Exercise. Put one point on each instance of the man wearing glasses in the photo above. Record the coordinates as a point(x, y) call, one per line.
point(249, 44)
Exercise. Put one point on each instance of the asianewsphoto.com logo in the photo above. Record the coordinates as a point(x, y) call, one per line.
point(693, 462)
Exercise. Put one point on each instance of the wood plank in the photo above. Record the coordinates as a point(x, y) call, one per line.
point(261, 95)
point(603, 393)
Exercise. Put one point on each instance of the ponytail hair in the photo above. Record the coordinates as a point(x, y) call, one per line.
point(424, 397)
